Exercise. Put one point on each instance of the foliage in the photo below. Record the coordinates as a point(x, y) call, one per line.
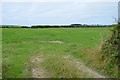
point(9, 26)
point(71, 26)
point(111, 48)
point(111, 45)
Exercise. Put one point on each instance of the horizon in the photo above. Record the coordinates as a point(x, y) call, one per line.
point(55, 25)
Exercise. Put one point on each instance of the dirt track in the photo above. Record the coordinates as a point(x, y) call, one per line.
point(40, 72)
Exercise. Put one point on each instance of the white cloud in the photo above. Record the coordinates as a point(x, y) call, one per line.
point(58, 13)
point(59, 0)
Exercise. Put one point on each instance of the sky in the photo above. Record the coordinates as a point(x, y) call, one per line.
point(119, 9)
point(59, 0)
point(58, 13)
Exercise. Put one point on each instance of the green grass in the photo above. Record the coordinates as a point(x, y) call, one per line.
point(81, 36)
point(19, 45)
point(60, 67)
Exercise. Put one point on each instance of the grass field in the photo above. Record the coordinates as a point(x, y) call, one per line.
point(52, 52)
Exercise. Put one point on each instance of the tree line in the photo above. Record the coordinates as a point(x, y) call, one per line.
point(58, 26)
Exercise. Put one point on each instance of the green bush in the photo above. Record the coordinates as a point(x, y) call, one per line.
point(112, 45)
point(111, 49)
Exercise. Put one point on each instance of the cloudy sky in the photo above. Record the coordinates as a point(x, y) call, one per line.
point(58, 12)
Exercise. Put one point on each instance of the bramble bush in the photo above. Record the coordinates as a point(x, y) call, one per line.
point(111, 49)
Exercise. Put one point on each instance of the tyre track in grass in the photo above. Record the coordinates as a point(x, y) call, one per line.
point(81, 66)
point(36, 70)
point(39, 72)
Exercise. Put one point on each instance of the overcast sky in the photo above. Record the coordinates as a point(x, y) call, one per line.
point(33, 13)
point(59, 0)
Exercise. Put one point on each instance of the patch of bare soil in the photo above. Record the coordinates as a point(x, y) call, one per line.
point(57, 41)
point(37, 70)
point(53, 41)
point(38, 41)
point(81, 66)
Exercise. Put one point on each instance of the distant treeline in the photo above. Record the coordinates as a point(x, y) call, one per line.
point(58, 26)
